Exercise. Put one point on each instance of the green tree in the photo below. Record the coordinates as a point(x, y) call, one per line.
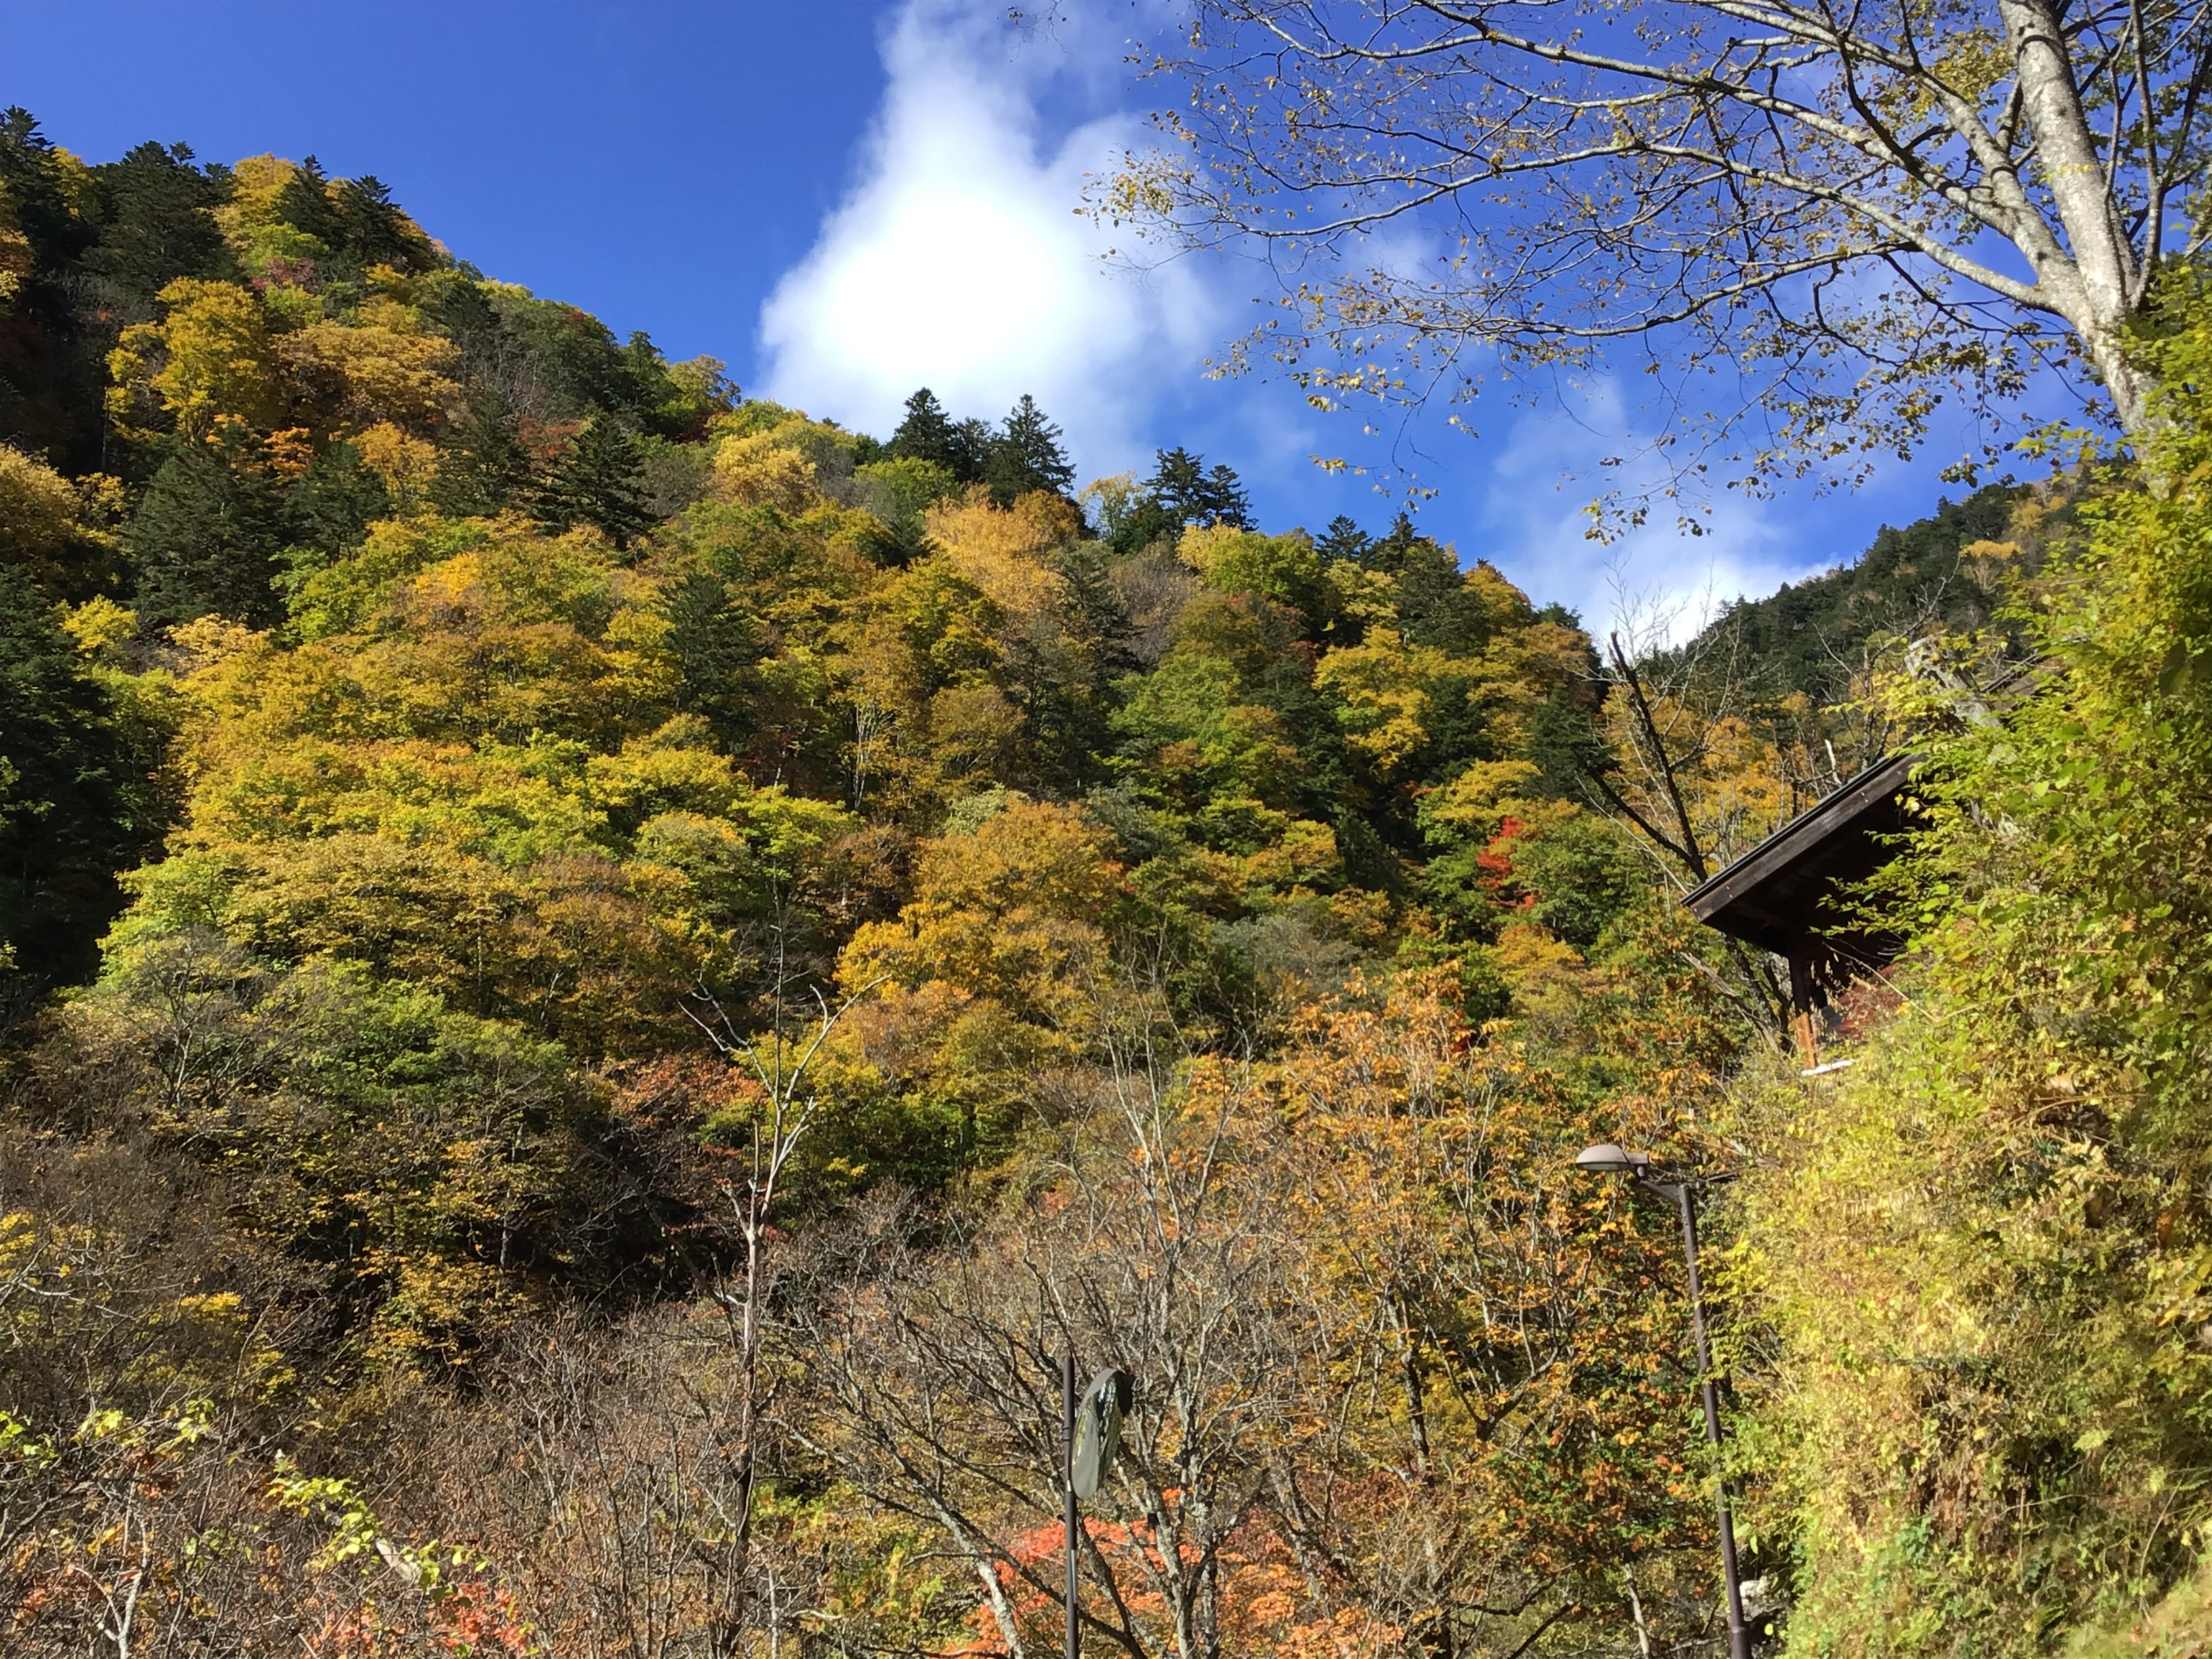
point(1189, 494)
point(305, 203)
point(1343, 539)
point(483, 467)
point(154, 226)
point(208, 535)
point(555, 362)
point(77, 802)
point(598, 482)
point(329, 508)
point(370, 227)
point(1027, 455)
point(928, 434)
point(1180, 493)
point(50, 369)
point(1436, 602)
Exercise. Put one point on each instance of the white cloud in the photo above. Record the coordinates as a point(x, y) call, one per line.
point(1656, 578)
point(958, 261)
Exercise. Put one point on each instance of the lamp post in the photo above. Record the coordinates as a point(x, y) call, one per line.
point(1092, 1427)
point(1608, 1159)
point(1068, 1471)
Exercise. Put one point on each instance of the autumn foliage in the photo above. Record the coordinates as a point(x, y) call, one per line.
point(601, 976)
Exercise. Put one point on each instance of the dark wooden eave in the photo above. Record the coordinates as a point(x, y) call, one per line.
point(1786, 895)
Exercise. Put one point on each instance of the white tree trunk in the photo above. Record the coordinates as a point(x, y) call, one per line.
point(2095, 282)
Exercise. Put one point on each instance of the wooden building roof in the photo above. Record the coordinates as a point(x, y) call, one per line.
point(1783, 895)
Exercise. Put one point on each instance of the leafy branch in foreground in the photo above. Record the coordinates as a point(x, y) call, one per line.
point(1814, 222)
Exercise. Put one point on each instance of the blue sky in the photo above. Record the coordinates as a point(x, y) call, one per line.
point(843, 200)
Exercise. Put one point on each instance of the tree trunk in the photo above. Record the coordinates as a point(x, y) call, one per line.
point(2130, 387)
point(2095, 282)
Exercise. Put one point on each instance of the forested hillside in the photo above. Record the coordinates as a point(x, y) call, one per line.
point(601, 975)
point(1945, 572)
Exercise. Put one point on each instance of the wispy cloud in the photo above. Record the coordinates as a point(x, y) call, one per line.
point(958, 260)
point(1535, 523)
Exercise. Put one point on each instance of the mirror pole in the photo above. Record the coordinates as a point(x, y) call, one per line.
point(1067, 1472)
point(1709, 1396)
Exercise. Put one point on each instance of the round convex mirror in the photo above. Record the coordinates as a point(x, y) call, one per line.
point(1099, 1429)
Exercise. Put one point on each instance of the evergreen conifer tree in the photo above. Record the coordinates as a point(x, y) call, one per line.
point(1145, 522)
point(928, 434)
point(51, 368)
point(1027, 456)
point(1433, 603)
point(714, 640)
point(153, 227)
point(598, 482)
point(372, 228)
point(1343, 539)
point(334, 503)
point(1224, 500)
point(1178, 480)
point(1188, 493)
point(76, 800)
point(304, 204)
point(482, 468)
point(207, 536)
point(1098, 616)
point(971, 449)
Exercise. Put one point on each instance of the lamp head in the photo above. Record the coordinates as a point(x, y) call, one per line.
point(1098, 1421)
point(1607, 1159)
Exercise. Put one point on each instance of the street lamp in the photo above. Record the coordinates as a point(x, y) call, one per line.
point(1607, 1159)
point(1092, 1428)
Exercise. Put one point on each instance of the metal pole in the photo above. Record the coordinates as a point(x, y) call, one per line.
point(1739, 1638)
point(1067, 1474)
